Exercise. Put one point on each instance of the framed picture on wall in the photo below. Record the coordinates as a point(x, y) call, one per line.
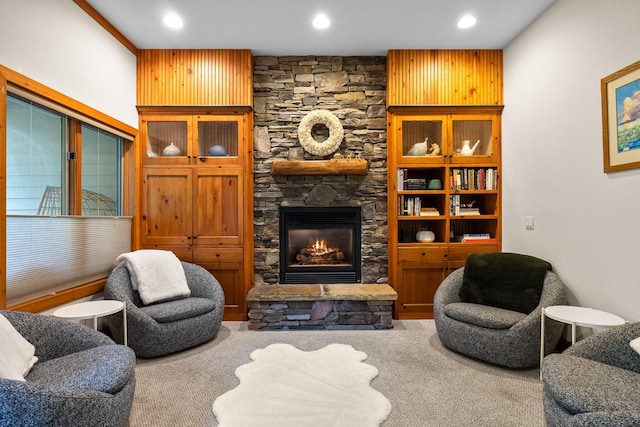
point(621, 119)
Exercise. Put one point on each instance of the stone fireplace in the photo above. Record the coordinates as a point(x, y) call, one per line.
point(354, 90)
point(320, 245)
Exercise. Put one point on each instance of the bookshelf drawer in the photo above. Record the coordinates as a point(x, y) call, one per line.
point(423, 254)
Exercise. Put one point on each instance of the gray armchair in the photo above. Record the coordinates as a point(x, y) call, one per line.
point(496, 335)
point(82, 378)
point(595, 382)
point(167, 327)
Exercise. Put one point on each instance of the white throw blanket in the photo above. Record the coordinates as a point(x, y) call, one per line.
point(156, 275)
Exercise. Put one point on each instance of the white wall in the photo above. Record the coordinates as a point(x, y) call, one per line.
point(586, 222)
point(57, 44)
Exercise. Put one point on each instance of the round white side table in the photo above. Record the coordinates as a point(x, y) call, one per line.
point(93, 310)
point(576, 316)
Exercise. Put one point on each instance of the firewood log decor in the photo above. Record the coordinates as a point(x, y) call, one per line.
point(319, 253)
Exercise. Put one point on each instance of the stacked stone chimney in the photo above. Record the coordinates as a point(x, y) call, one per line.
point(352, 88)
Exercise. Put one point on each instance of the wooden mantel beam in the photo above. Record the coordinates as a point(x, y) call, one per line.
point(319, 167)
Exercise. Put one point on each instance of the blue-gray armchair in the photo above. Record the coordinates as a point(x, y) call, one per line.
point(595, 382)
point(82, 378)
point(166, 327)
point(498, 321)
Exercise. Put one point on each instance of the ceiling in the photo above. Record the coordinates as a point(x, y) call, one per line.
point(358, 27)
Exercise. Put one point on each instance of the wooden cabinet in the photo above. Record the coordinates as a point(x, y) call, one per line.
point(192, 206)
point(451, 189)
point(227, 265)
point(167, 199)
point(192, 139)
point(442, 137)
point(195, 199)
point(420, 271)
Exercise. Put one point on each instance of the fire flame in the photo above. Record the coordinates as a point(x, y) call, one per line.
point(319, 247)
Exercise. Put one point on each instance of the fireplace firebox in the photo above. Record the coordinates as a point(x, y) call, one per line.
point(320, 245)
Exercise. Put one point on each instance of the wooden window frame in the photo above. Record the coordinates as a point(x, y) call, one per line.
point(12, 78)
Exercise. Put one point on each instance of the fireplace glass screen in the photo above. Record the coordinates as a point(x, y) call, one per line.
point(320, 245)
point(315, 247)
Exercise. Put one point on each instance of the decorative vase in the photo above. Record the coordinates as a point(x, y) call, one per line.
point(434, 184)
point(466, 149)
point(425, 236)
point(217, 150)
point(171, 150)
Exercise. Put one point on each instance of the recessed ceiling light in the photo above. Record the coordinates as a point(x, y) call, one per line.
point(172, 20)
point(467, 21)
point(321, 21)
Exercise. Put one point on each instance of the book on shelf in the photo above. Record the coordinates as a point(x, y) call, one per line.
point(411, 201)
point(476, 236)
point(402, 176)
point(473, 179)
point(429, 212)
point(469, 211)
point(409, 206)
point(489, 240)
point(415, 184)
point(454, 204)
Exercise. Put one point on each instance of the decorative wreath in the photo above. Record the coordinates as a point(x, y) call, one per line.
point(324, 148)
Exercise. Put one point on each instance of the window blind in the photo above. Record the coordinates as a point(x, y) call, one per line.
point(48, 254)
point(15, 90)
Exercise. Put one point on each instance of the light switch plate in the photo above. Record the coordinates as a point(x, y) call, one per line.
point(528, 223)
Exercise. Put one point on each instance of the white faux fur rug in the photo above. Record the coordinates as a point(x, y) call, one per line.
point(284, 386)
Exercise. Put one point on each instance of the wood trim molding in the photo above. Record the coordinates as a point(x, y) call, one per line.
point(193, 109)
point(59, 298)
point(3, 191)
point(24, 82)
point(446, 109)
point(106, 25)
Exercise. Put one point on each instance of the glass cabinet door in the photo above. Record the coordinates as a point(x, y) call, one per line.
point(447, 138)
point(218, 139)
point(422, 140)
point(166, 139)
point(192, 139)
point(473, 139)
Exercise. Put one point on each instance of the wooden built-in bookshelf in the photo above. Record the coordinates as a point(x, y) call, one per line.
point(452, 99)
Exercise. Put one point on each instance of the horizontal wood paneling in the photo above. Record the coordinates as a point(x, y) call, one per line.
point(195, 77)
point(444, 77)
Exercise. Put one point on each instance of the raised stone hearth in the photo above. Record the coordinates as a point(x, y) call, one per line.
point(328, 306)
